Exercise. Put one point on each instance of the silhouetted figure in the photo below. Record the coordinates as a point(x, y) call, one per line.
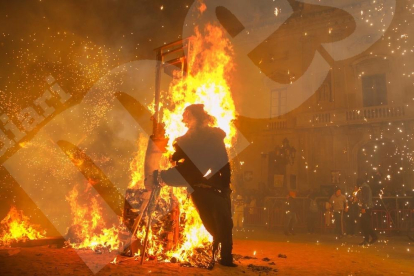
point(202, 165)
point(365, 202)
point(238, 217)
point(353, 213)
point(290, 216)
point(339, 205)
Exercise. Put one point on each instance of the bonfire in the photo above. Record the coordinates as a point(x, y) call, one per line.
point(16, 227)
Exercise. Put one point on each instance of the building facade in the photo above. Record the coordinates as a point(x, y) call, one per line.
point(358, 124)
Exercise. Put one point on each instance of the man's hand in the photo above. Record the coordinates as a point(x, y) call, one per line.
point(153, 180)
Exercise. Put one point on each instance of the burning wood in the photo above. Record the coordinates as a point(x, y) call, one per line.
point(166, 234)
point(89, 230)
point(16, 228)
point(59, 242)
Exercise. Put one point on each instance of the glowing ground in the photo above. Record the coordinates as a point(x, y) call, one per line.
point(306, 255)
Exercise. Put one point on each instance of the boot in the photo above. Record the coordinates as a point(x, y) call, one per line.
point(228, 262)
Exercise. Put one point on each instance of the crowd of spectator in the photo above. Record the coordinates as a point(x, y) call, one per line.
point(346, 213)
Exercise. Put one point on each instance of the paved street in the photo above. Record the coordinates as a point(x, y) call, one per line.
point(305, 255)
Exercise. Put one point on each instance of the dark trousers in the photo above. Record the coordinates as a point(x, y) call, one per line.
point(312, 220)
point(215, 213)
point(290, 221)
point(352, 222)
point(367, 230)
point(338, 222)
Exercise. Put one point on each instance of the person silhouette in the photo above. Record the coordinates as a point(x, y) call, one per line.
point(202, 165)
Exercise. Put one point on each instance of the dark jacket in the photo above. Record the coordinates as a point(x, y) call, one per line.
point(365, 196)
point(291, 205)
point(201, 157)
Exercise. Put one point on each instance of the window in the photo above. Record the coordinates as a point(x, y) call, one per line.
point(325, 91)
point(278, 102)
point(374, 90)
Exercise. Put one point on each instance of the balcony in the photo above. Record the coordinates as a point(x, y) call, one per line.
point(377, 112)
point(275, 124)
point(364, 115)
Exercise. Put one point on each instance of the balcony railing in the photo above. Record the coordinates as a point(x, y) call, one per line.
point(277, 124)
point(353, 116)
point(377, 112)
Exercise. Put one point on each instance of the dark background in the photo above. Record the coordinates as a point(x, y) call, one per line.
point(42, 38)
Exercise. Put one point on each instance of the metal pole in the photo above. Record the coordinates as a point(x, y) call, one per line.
point(156, 118)
point(146, 238)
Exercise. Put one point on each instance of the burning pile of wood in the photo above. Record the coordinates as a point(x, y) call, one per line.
point(17, 231)
point(16, 227)
point(166, 233)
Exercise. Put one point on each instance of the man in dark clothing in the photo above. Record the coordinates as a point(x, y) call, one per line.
point(365, 202)
point(353, 213)
point(290, 218)
point(202, 166)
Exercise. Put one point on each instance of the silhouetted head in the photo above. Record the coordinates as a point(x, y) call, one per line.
point(361, 180)
point(338, 191)
point(194, 115)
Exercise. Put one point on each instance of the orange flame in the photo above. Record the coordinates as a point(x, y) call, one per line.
point(88, 228)
point(16, 227)
point(137, 164)
point(207, 82)
point(210, 64)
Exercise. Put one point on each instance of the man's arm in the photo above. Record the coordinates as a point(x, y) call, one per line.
point(178, 154)
point(226, 174)
point(172, 177)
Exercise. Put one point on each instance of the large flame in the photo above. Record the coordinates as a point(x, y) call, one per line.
point(16, 227)
point(207, 82)
point(89, 230)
